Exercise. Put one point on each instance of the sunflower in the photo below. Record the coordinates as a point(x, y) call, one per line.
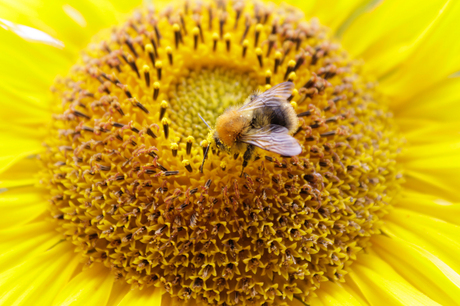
point(114, 192)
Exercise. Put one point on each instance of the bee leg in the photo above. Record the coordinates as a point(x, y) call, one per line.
point(246, 157)
point(204, 158)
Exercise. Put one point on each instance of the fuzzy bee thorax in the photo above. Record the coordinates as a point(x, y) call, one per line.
point(231, 124)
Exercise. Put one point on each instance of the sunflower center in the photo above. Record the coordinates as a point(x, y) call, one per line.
point(206, 92)
point(125, 147)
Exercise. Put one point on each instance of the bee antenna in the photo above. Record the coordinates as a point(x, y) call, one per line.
point(205, 155)
point(204, 123)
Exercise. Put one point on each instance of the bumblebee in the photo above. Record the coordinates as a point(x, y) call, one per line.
point(265, 120)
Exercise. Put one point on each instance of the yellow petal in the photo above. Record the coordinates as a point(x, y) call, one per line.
point(437, 159)
point(432, 61)
point(55, 19)
point(422, 269)
point(20, 174)
point(433, 235)
point(441, 183)
point(31, 103)
point(432, 157)
point(38, 280)
point(331, 13)
point(90, 287)
point(438, 103)
point(29, 65)
point(335, 294)
point(444, 155)
point(367, 31)
point(382, 285)
point(18, 161)
point(414, 154)
point(7, 161)
point(28, 69)
point(430, 205)
point(119, 290)
point(20, 243)
point(166, 300)
point(13, 147)
point(136, 297)
point(28, 131)
point(315, 302)
point(420, 131)
point(20, 206)
point(387, 43)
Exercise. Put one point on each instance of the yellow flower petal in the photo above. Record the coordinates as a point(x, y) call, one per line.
point(15, 149)
point(90, 287)
point(20, 243)
point(30, 75)
point(54, 18)
point(422, 269)
point(433, 235)
point(442, 183)
point(381, 284)
point(37, 281)
point(419, 131)
point(13, 183)
point(435, 156)
point(12, 145)
point(331, 13)
point(335, 294)
point(430, 205)
point(19, 174)
point(22, 131)
point(431, 62)
point(21, 205)
point(432, 158)
point(142, 297)
point(7, 161)
point(28, 112)
point(119, 290)
point(384, 43)
point(439, 103)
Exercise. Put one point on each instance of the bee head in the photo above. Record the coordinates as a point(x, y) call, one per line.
point(218, 143)
point(214, 140)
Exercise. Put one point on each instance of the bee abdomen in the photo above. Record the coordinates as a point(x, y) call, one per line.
point(283, 116)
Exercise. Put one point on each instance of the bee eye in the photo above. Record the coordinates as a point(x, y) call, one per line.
point(219, 143)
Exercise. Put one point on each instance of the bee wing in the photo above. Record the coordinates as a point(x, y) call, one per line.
point(274, 138)
point(271, 98)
